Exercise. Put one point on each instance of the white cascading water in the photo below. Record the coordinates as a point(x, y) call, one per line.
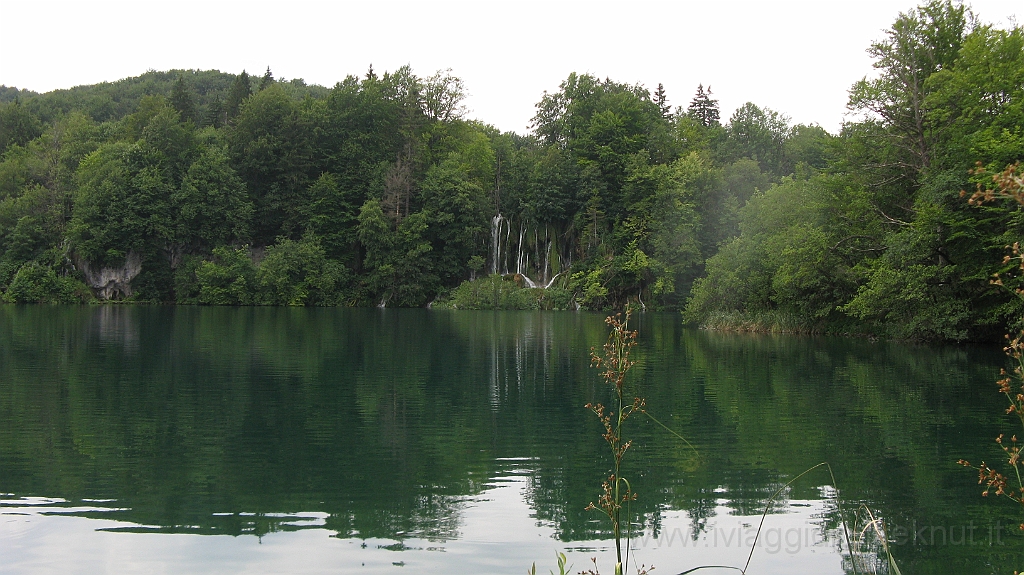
point(496, 242)
point(501, 244)
point(519, 251)
point(508, 238)
point(547, 257)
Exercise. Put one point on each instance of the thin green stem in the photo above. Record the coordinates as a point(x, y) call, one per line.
point(618, 466)
point(779, 491)
point(711, 567)
point(882, 537)
point(1016, 468)
point(668, 429)
point(629, 522)
point(842, 516)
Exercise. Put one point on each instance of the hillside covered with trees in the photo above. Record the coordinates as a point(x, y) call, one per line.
point(202, 187)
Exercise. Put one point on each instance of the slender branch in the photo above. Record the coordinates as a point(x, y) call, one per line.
point(855, 237)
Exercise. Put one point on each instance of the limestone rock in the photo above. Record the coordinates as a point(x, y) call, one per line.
point(112, 283)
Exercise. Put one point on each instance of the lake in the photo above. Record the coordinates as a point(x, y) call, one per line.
point(140, 439)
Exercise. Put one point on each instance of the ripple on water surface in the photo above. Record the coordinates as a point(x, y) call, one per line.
point(221, 440)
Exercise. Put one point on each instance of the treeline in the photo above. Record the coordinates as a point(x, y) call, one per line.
point(882, 240)
point(210, 188)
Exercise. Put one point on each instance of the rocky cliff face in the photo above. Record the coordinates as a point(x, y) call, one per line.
point(112, 283)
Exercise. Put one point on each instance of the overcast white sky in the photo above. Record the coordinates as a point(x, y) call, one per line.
point(796, 57)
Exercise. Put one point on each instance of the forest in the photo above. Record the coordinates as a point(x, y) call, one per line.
point(211, 188)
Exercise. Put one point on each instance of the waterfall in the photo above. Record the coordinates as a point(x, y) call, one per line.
point(495, 242)
point(508, 237)
point(515, 256)
point(519, 251)
point(547, 256)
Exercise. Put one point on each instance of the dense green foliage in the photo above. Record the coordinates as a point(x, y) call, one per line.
point(880, 240)
point(379, 192)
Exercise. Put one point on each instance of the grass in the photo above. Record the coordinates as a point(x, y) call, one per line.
point(761, 322)
point(503, 292)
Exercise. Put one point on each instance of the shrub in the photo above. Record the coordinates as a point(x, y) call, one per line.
point(299, 273)
point(36, 283)
point(228, 279)
point(491, 292)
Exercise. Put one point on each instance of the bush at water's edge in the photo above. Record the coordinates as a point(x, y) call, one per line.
point(504, 292)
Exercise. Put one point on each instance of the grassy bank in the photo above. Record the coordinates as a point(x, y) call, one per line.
point(775, 321)
point(505, 292)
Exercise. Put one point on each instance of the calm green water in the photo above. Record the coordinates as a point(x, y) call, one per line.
point(208, 440)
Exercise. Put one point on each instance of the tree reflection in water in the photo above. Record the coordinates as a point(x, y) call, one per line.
point(401, 425)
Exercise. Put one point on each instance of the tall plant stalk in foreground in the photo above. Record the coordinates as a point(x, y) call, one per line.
point(614, 363)
point(1009, 184)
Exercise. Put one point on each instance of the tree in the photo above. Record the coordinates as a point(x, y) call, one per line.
point(215, 114)
point(267, 80)
point(600, 125)
point(212, 207)
point(807, 146)
point(169, 144)
point(720, 195)
point(229, 278)
point(792, 256)
point(183, 100)
point(362, 128)
point(662, 101)
point(398, 184)
point(458, 211)
point(328, 212)
point(443, 94)
point(758, 134)
point(121, 206)
point(240, 91)
point(920, 43)
point(36, 283)
point(664, 253)
point(30, 225)
point(270, 148)
point(299, 273)
point(947, 96)
point(976, 108)
point(18, 126)
point(397, 262)
point(703, 109)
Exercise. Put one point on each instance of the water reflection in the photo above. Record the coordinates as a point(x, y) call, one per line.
point(458, 438)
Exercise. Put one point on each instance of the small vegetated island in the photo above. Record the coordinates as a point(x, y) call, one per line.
point(203, 187)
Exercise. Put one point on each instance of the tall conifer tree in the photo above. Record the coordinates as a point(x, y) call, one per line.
point(703, 109)
point(240, 90)
point(662, 101)
point(215, 114)
point(267, 80)
point(183, 101)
